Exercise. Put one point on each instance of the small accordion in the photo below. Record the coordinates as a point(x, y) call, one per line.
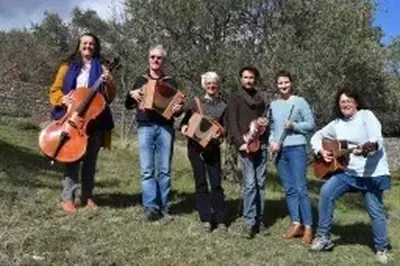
point(202, 129)
point(160, 97)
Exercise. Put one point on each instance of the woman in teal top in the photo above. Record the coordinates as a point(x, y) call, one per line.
point(290, 121)
point(367, 172)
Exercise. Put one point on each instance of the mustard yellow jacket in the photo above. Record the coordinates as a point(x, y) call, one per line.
point(56, 94)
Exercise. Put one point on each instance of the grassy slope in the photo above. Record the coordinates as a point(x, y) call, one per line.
point(34, 231)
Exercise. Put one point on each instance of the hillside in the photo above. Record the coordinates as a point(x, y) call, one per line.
point(34, 230)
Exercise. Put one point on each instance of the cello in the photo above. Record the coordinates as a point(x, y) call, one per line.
point(65, 140)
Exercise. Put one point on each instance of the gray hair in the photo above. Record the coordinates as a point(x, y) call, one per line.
point(159, 47)
point(209, 76)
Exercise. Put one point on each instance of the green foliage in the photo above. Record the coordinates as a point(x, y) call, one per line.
point(325, 44)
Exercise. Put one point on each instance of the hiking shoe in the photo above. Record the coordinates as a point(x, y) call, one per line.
point(249, 232)
point(262, 230)
point(382, 257)
point(167, 217)
point(151, 214)
point(321, 244)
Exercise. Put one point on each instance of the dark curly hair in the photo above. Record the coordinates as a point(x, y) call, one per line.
point(351, 93)
point(251, 69)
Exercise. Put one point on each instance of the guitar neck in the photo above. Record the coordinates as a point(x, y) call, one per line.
point(81, 109)
point(344, 152)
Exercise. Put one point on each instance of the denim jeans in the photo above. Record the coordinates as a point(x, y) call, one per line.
point(155, 149)
point(87, 173)
point(292, 169)
point(334, 188)
point(254, 169)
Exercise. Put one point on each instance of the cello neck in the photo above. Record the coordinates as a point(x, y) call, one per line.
point(81, 109)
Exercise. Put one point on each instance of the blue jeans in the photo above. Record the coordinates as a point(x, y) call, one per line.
point(155, 149)
point(254, 169)
point(334, 188)
point(292, 169)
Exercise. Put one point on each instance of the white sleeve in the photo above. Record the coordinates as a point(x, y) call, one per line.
point(327, 131)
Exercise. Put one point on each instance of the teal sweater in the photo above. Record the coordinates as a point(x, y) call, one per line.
point(302, 119)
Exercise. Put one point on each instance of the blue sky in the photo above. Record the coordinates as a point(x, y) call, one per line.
point(20, 13)
point(388, 18)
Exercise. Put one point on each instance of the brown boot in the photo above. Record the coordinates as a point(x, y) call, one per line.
point(68, 206)
point(293, 231)
point(307, 236)
point(92, 205)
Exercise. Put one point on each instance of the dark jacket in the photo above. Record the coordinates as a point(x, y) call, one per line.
point(243, 107)
point(148, 116)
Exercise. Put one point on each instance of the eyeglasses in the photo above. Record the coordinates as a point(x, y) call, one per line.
point(347, 101)
point(155, 57)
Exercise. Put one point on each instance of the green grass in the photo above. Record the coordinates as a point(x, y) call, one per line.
point(34, 230)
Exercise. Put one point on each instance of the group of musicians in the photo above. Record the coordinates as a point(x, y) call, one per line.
point(289, 119)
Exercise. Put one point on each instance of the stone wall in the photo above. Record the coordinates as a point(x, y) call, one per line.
point(393, 151)
point(31, 99)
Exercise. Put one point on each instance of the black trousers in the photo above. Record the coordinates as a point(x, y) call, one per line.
point(207, 162)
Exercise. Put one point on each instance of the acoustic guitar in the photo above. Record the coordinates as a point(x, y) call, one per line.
point(340, 152)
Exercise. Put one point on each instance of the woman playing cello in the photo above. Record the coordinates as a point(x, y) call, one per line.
point(82, 69)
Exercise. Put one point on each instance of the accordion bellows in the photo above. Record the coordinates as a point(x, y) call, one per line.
point(160, 97)
point(202, 129)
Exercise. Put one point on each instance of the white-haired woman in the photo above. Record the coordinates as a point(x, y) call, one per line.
point(207, 161)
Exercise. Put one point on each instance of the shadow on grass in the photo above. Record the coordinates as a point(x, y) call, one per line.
point(117, 200)
point(108, 183)
point(22, 167)
point(183, 202)
point(273, 211)
point(353, 234)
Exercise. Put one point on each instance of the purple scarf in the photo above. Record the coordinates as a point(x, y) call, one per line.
point(70, 82)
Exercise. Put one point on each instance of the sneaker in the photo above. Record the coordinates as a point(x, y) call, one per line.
point(382, 257)
point(167, 217)
point(151, 214)
point(321, 244)
point(68, 206)
point(207, 226)
point(222, 228)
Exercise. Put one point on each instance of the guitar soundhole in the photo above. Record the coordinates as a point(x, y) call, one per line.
point(202, 130)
